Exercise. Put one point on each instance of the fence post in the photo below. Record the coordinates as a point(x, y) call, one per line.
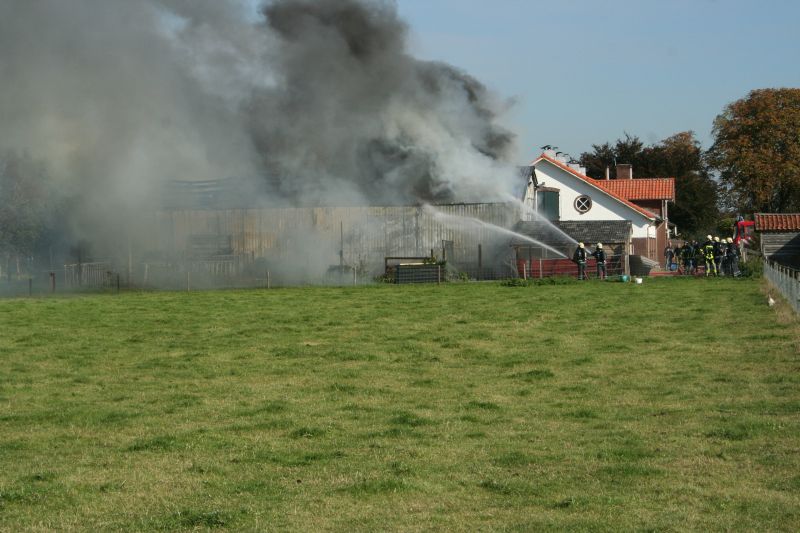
point(52, 282)
point(480, 262)
point(438, 274)
point(30, 286)
point(188, 280)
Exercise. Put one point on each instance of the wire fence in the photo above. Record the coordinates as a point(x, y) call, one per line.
point(786, 280)
point(549, 268)
point(231, 272)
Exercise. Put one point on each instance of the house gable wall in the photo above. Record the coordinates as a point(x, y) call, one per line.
point(604, 207)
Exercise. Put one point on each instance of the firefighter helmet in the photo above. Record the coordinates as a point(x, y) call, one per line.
point(580, 245)
point(600, 245)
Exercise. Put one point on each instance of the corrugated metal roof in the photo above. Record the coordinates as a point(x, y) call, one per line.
point(777, 221)
point(641, 189)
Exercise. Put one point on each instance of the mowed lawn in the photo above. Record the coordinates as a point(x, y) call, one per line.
point(672, 405)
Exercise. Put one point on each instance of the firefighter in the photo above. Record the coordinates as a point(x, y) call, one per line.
point(698, 256)
point(579, 257)
point(676, 256)
point(600, 257)
point(687, 254)
point(702, 251)
point(719, 253)
point(668, 255)
point(732, 252)
point(725, 257)
point(708, 254)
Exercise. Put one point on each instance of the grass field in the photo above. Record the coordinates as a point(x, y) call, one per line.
point(667, 406)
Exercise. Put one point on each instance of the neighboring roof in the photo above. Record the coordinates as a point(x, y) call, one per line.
point(778, 222)
point(594, 183)
point(641, 189)
point(589, 231)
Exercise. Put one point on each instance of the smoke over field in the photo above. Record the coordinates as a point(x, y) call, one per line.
point(317, 102)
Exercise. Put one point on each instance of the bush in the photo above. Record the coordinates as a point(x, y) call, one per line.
point(384, 278)
point(515, 282)
point(752, 268)
point(557, 280)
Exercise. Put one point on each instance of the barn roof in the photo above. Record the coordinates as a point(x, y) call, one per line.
point(641, 189)
point(788, 222)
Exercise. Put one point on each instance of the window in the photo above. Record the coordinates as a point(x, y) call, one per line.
point(583, 203)
point(547, 203)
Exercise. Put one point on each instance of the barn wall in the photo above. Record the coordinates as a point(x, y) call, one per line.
point(782, 247)
point(364, 234)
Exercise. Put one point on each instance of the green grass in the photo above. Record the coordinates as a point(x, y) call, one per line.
point(600, 406)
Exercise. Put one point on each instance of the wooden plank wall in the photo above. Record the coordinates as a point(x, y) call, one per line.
point(782, 247)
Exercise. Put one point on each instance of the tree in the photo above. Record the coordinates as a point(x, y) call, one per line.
point(695, 209)
point(605, 155)
point(757, 151)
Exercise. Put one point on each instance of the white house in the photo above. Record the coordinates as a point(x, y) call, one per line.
point(561, 191)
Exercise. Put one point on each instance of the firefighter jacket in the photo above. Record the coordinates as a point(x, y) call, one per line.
point(580, 255)
point(599, 255)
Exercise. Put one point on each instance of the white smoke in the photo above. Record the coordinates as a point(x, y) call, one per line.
point(318, 100)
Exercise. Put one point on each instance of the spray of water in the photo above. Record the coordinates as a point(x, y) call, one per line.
point(461, 221)
point(534, 215)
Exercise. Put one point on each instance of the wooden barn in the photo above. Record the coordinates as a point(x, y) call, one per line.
point(307, 243)
point(780, 237)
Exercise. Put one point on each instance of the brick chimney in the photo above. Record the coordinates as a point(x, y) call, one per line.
point(624, 171)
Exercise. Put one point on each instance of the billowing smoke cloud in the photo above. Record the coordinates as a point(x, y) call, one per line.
point(111, 95)
point(318, 99)
point(351, 111)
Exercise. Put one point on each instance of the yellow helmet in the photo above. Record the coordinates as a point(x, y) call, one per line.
point(716, 239)
point(730, 240)
point(580, 245)
point(600, 245)
point(709, 237)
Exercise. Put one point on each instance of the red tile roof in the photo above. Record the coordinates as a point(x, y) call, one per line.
point(594, 183)
point(777, 221)
point(641, 189)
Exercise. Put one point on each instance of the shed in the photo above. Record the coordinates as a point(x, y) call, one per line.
point(780, 237)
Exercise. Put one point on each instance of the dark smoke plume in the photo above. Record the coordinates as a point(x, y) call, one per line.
point(351, 112)
point(319, 101)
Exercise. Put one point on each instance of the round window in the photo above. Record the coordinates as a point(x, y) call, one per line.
point(583, 203)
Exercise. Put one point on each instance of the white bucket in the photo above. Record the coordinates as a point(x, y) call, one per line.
point(638, 281)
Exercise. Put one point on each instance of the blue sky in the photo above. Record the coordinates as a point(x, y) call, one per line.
point(585, 72)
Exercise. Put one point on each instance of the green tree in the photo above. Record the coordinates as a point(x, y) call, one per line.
point(695, 209)
point(756, 151)
point(606, 155)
